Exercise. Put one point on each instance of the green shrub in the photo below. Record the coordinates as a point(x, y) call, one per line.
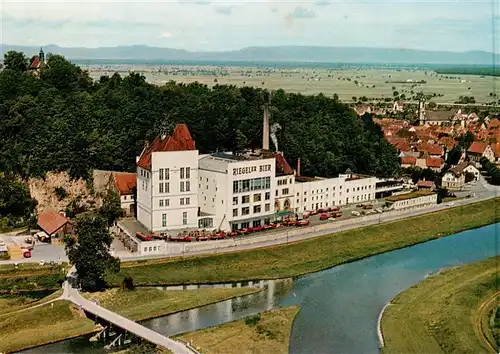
point(252, 320)
point(60, 193)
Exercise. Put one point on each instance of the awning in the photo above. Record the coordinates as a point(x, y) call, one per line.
point(284, 213)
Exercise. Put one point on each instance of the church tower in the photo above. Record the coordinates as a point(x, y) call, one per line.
point(41, 56)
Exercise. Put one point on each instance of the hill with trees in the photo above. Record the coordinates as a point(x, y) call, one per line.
point(62, 120)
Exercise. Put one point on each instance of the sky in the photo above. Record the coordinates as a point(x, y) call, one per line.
point(215, 25)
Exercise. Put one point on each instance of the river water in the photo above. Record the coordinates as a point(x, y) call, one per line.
point(339, 306)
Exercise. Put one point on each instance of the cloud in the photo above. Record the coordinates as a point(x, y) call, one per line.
point(301, 13)
point(166, 35)
point(195, 2)
point(224, 10)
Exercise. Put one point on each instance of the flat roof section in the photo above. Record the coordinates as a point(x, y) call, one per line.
point(418, 194)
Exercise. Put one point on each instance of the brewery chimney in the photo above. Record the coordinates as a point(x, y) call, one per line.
point(265, 130)
point(298, 167)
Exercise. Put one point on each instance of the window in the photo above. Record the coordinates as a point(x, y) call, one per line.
point(161, 187)
point(257, 197)
point(285, 191)
point(167, 187)
point(188, 172)
point(268, 195)
point(182, 201)
point(245, 199)
point(188, 200)
point(182, 172)
point(167, 173)
point(161, 174)
point(276, 192)
point(235, 200)
point(182, 186)
point(163, 220)
point(235, 212)
point(245, 211)
point(267, 207)
point(184, 218)
point(167, 202)
point(235, 186)
point(256, 209)
point(161, 202)
point(256, 223)
point(206, 222)
point(245, 225)
point(188, 186)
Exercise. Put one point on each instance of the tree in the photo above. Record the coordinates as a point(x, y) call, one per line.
point(16, 205)
point(454, 156)
point(111, 208)
point(89, 251)
point(466, 140)
point(16, 61)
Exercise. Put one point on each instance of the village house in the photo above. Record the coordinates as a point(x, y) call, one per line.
point(434, 163)
point(54, 226)
point(125, 184)
point(454, 178)
point(478, 150)
point(408, 161)
point(426, 185)
point(398, 106)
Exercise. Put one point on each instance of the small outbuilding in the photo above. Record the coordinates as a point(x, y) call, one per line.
point(54, 226)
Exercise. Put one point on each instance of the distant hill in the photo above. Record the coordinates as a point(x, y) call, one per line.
point(269, 54)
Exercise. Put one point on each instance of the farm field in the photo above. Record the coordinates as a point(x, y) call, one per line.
point(370, 82)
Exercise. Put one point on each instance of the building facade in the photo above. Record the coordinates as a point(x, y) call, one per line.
point(413, 200)
point(180, 190)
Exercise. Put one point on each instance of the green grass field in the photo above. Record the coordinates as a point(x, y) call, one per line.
point(442, 314)
point(370, 82)
point(311, 255)
point(266, 333)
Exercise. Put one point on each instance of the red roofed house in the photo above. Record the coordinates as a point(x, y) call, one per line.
point(426, 185)
point(55, 225)
point(125, 183)
point(478, 150)
point(408, 161)
point(434, 163)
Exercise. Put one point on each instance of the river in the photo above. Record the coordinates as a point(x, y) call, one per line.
point(339, 306)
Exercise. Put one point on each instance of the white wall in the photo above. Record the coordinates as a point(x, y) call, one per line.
point(144, 197)
point(212, 196)
point(174, 161)
point(415, 202)
point(285, 191)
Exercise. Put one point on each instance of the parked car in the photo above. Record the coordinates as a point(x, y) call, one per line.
point(324, 216)
point(355, 213)
point(303, 222)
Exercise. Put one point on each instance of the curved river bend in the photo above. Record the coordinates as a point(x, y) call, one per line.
point(339, 306)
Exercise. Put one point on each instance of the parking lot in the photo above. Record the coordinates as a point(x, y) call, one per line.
point(41, 251)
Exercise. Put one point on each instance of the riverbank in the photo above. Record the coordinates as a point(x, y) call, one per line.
point(268, 332)
point(26, 327)
point(311, 255)
point(442, 314)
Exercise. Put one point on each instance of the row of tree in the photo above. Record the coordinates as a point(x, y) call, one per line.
point(63, 120)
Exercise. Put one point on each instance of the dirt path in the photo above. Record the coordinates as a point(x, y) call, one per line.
point(477, 321)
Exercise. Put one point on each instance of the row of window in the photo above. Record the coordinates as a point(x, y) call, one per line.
point(164, 219)
point(284, 182)
point(144, 173)
point(254, 184)
point(356, 189)
point(245, 199)
point(164, 187)
point(164, 173)
point(166, 202)
point(284, 191)
point(256, 209)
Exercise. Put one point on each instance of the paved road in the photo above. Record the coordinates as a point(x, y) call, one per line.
point(481, 189)
point(74, 296)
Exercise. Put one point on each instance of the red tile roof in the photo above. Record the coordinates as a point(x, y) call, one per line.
point(180, 140)
point(51, 221)
point(436, 162)
point(496, 149)
point(427, 184)
point(402, 146)
point(477, 147)
point(125, 183)
point(282, 164)
point(494, 123)
point(35, 64)
point(408, 160)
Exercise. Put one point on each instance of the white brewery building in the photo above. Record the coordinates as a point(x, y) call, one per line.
point(179, 189)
